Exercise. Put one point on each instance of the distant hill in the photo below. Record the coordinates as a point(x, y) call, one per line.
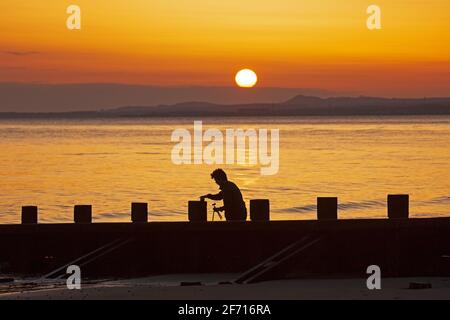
point(298, 106)
point(23, 97)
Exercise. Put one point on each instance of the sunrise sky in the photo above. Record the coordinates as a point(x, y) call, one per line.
point(289, 43)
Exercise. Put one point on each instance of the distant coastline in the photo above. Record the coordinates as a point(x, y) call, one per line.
point(298, 106)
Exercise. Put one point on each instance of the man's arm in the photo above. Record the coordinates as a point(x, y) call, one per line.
point(218, 196)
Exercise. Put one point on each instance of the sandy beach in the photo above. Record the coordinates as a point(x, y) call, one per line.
point(169, 288)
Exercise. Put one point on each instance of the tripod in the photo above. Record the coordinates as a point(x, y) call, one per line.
point(214, 211)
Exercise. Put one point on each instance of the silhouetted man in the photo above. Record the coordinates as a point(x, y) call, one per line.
point(233, 203)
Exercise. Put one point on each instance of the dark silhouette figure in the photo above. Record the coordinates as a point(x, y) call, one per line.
point(233, 203)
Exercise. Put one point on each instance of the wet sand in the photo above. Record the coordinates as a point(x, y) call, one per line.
point(169, 288)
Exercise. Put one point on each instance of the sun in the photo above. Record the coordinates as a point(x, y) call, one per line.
point(246, 78)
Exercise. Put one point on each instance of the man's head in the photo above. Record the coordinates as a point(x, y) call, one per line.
point(219, 176)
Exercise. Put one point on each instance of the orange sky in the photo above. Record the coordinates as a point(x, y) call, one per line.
point(289, 43)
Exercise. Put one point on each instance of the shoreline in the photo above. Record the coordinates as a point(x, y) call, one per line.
point(168, 288)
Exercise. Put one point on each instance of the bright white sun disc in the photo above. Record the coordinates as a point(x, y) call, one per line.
point(246, 78)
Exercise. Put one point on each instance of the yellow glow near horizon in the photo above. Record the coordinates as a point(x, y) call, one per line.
point(314, 44)
point(246, 78)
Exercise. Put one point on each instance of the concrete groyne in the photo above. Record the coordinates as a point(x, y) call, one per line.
point(400, 246)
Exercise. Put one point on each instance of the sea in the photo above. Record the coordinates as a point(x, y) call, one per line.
point(110, 163)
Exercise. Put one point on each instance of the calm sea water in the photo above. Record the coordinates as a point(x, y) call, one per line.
point(56, 164)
